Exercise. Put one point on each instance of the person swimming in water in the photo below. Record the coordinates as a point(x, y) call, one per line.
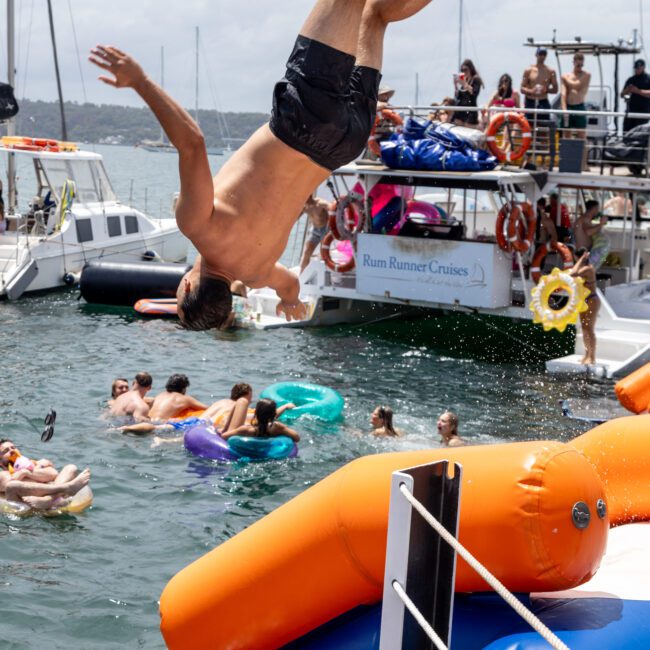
point(264, 424)
point(323, 112)
point(448, 430)
point(381, 420)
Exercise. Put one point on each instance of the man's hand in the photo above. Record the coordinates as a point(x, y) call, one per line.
point(126, 72)
point(292, 311)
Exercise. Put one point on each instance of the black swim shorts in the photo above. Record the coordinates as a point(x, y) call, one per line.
point(325, 105)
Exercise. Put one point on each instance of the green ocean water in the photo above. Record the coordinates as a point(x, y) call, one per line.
point(93, 580)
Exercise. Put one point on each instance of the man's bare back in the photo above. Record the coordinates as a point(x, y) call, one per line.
point(170, 405)
point(261, 220)
point(131, 404)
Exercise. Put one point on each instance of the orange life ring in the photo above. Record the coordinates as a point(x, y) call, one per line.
point(517, 241)
point(509, 213)
point(384, 114)
point(32, 144)
point(346, 216)
point(542, 251)
point(495, 125)
point(325, 246)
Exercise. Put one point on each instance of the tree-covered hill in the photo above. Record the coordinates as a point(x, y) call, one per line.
point(95, 123)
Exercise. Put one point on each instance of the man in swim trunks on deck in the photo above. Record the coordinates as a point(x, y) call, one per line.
point(133, 402)
point(317, 211)
point(323, 111)
point(40, 485)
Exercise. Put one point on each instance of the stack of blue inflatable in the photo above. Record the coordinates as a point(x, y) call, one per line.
point(431, 146)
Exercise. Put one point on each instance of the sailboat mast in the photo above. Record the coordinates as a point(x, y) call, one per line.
point(460, 33)
point(11, 124)
point(196, 87)
point(64, 130)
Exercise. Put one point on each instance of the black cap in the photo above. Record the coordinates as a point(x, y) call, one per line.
point(541, 50)
point(638, 63)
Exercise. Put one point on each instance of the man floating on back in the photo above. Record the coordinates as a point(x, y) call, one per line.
point(323, 111)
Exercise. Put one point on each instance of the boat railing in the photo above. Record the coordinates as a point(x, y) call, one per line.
point(421, 554)
point(554, 145)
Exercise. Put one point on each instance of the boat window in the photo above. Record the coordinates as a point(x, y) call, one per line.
point(89, 176)
point(114, 227)
point(130, 224)
point(84, 230)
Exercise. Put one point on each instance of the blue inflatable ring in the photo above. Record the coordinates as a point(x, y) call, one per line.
point(204, 441)
point(314, 400)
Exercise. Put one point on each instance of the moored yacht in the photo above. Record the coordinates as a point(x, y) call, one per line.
point(71, 216)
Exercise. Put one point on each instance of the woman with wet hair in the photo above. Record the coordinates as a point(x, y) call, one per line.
point(448, 430)
point(264, 424)
point(381, 420)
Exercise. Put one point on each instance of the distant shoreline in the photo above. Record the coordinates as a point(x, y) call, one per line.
point(109, 124)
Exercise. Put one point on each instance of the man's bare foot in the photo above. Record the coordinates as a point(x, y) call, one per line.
point(39, 503)
point(156, 442)
point(72, 487)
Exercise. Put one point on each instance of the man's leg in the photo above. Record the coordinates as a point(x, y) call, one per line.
point(16, 490)
point(335, 23)
point(376, 16)
point(66, 474)
point(307, 252)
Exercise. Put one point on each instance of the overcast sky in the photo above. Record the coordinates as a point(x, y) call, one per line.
point(245, 43)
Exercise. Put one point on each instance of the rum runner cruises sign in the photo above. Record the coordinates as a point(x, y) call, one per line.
point(474, 274)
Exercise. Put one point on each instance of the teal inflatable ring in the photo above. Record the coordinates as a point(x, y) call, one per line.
point(313, 400)
point(251, 448)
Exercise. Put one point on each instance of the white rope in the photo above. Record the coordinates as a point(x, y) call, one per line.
point(424, 624)
point(492, 580)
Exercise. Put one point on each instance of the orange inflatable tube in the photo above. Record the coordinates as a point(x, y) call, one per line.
point(323, 552)
point(620, 452)
point(633, 391)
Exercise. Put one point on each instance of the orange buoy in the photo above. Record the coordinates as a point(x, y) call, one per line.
point(497, 122)
point(323, 552)
point(620, 451)
point(633, 391)
point(540, 255)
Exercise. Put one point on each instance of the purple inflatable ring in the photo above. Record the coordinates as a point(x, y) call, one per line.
point(204, 441)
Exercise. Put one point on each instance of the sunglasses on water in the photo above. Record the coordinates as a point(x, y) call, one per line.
point(48, 432)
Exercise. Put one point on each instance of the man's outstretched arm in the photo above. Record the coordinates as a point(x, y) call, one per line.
point(196, 199)
point(287, 286)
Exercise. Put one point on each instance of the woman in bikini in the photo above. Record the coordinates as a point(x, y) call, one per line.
point(585, 270)
point(264, 424)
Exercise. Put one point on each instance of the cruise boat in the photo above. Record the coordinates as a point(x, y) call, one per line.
point(72, 216)
point(451, 270)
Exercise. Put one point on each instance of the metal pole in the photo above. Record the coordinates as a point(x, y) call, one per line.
point(162, 84)
point(11, 124)
point(616, 91)
point(64, 130)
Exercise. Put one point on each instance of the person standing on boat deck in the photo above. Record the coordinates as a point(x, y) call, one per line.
point(584, 230)
point(584, 269)
point(468, 85)
point(316, 210)
point(133, 402)
point(323, 111)
point(448, 430)
point(637, 93)
point(537, 83)
point(575, 85)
